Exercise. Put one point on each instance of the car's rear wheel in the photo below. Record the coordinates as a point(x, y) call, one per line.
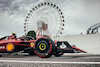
point(44, 47)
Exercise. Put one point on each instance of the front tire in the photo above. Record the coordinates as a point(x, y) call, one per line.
point(44, 47)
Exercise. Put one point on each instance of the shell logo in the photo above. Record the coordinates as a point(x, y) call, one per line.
point(10, 47)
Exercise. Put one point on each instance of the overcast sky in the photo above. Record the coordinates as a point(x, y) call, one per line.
point(79, 15)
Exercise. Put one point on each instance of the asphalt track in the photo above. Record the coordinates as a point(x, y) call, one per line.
point(67, 60)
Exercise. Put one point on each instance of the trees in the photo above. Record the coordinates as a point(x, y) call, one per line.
point(32, 34)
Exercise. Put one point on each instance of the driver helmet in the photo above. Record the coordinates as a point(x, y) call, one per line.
point(13, 33)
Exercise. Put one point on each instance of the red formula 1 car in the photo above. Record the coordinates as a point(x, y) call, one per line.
point(43, 46)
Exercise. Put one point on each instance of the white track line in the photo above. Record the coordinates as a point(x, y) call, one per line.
point(61, 62)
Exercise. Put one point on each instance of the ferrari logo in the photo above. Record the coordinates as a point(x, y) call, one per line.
point(32, 44)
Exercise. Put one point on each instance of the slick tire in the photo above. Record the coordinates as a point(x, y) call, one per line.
point(44, 47)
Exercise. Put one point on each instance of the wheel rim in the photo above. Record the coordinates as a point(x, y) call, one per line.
point(43, 48)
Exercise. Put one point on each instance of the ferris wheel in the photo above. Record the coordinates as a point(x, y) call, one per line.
point(45, 19)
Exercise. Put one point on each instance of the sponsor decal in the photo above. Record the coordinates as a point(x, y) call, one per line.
point(2, 47)
point(9, 47)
